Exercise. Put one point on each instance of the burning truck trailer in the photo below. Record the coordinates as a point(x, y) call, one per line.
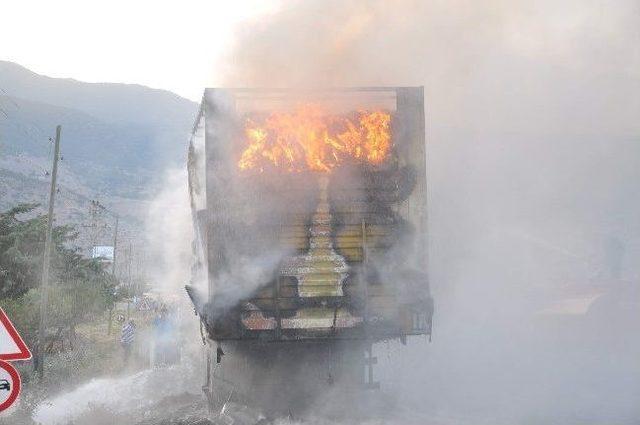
point(310, 216)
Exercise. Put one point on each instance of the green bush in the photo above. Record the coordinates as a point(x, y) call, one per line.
point(79, 288)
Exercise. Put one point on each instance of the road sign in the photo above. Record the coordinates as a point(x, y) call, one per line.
point(9, 385)
point(12, 347)
point(104, 252)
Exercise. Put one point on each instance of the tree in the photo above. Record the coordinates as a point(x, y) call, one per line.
point(80, 287)
point(21, 247)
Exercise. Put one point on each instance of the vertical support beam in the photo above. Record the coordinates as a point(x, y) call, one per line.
point(410, 104)
point(370, 361)
point(276, 301)
point(370, 364)
point(44, 296)
point(363, 279)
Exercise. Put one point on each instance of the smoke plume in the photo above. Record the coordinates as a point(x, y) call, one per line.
point(533, 159)
point(169, 233)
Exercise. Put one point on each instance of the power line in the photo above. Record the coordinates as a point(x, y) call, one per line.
point(23, 130)
point(27, 134)
point(37, 166)
point(10, 98)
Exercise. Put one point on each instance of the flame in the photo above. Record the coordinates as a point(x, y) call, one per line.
point(310, 139)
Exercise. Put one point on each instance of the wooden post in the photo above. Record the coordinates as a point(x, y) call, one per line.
point(46, 263)
point(115, 247)
point(113, 271)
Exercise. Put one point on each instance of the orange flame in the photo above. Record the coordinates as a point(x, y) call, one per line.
point(309, 139)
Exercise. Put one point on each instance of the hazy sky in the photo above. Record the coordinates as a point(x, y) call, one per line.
point(162, 44)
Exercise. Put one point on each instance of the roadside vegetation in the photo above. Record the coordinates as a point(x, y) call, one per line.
point(81, 339)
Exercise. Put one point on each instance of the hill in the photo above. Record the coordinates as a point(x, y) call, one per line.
point(118, 140)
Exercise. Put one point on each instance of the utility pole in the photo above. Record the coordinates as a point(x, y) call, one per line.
point(113, 271)
point(129, 261)
point(115, 246)
point(96, 228)
point(44, 296)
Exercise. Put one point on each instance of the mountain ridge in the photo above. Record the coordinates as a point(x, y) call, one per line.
point(152, 105)
point(118, 141)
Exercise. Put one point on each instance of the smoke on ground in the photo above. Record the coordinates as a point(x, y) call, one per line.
point(131, 398)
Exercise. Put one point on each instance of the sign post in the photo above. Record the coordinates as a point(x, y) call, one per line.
point(12, 348)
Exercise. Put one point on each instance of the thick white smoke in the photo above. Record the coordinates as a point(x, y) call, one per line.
point(169, 233)
point(533, 171)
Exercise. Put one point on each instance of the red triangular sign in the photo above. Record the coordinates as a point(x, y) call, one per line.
point(12, 347)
